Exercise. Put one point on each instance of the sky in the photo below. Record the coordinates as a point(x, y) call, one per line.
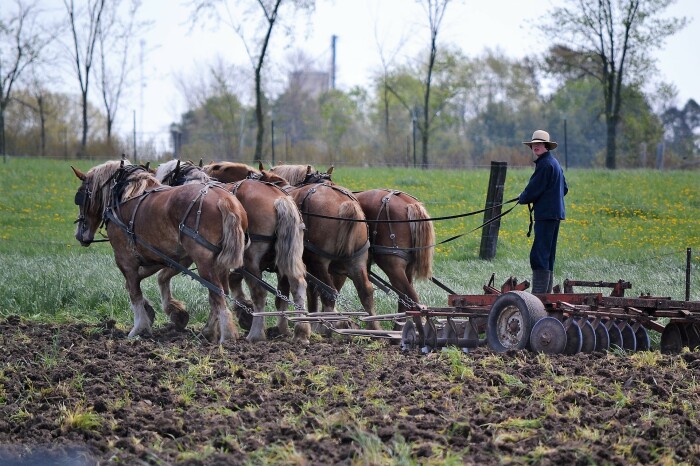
point(173, 48)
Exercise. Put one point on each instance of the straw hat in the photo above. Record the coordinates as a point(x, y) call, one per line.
point(541, 136)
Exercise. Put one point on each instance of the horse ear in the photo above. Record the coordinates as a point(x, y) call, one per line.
point(261, 167)
point(308, 169)
point(201, 163)
point(123, 157)
point(330, 170)
point(148, 166)
point(78, 173)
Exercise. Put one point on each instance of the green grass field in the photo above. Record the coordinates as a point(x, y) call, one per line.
point(632, 225)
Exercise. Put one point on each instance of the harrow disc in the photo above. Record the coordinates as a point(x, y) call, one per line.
point(615, 334)
point(450, 331)
point(409, 336)
point(602, 337)
point(511, 319)
point(629, 340)
point(431, 337)
point(574, 337)
point(673, 339)
point(470, 332)
point(691, 331)
point(588, 336)
point(643, 341)
point(548, 336)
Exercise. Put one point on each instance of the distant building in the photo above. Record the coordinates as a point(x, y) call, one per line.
point(312, 83)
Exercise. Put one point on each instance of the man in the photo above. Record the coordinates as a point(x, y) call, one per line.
point(545, 190)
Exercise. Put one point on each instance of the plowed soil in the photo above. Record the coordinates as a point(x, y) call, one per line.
point(85, 394)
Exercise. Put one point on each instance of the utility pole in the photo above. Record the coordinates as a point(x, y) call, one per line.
point(334, 39)
point(142, 43)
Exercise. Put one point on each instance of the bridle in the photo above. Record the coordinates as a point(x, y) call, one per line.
point(83, 198)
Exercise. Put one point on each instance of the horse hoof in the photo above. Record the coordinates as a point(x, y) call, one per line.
point(150, 312)
point(245, 319)
point(180, 319)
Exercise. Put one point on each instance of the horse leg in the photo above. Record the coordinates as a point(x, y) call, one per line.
point(365, 291)
point(139, 305)
point(242, 304)
point(219, 312)
point(257, 294)
point(319, 269)
point(284, 285)
point(400, 278)
point(172, 307)
point(302, 330)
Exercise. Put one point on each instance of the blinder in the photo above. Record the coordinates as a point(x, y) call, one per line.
point(80, 198)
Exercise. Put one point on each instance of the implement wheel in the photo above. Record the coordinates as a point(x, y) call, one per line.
point(511, 319)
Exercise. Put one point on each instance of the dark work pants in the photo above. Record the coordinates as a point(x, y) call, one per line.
point(544, 247)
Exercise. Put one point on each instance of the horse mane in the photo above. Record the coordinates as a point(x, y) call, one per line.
point(223, 165)
point(139, 180)
point(101, 176)
point(294, 174)
point(188, 172)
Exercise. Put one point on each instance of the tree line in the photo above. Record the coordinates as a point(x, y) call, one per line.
point(440, 109)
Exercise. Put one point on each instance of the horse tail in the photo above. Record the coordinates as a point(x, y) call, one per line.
point(423, 235)
point(350, 210)
point(233, 243)
point(289, 246)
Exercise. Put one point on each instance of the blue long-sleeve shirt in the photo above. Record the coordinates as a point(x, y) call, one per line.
point(546, 189)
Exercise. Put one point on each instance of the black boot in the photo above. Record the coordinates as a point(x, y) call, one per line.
point(540, 281)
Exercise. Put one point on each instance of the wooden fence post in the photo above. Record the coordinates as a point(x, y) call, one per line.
point(494, 197)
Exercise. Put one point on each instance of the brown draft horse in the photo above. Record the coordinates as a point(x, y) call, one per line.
point(276, 232)
point(403, 250)
point(154, 228)
point(335, 249)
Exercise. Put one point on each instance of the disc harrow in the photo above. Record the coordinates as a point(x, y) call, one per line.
point(561, 322)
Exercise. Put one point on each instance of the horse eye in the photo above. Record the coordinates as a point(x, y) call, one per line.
point(79, 198)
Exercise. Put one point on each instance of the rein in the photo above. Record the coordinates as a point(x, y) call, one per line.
point(447, 217)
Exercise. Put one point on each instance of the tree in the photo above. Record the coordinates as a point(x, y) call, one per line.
point(435, 9)
point(255, 29)
point(84, 27)
point(21, 43)
point(115, 37)
point(681, 127)
point(615, 39)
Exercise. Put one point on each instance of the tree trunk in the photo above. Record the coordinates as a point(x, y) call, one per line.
point(83, 140)
point(259, 114)
point(271, 18)
point(42, 122)
point(611, 124)
point(2, 131)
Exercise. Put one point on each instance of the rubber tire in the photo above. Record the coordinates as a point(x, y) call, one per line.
point(522, 306)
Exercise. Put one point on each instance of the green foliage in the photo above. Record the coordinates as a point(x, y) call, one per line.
point(633, 225)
